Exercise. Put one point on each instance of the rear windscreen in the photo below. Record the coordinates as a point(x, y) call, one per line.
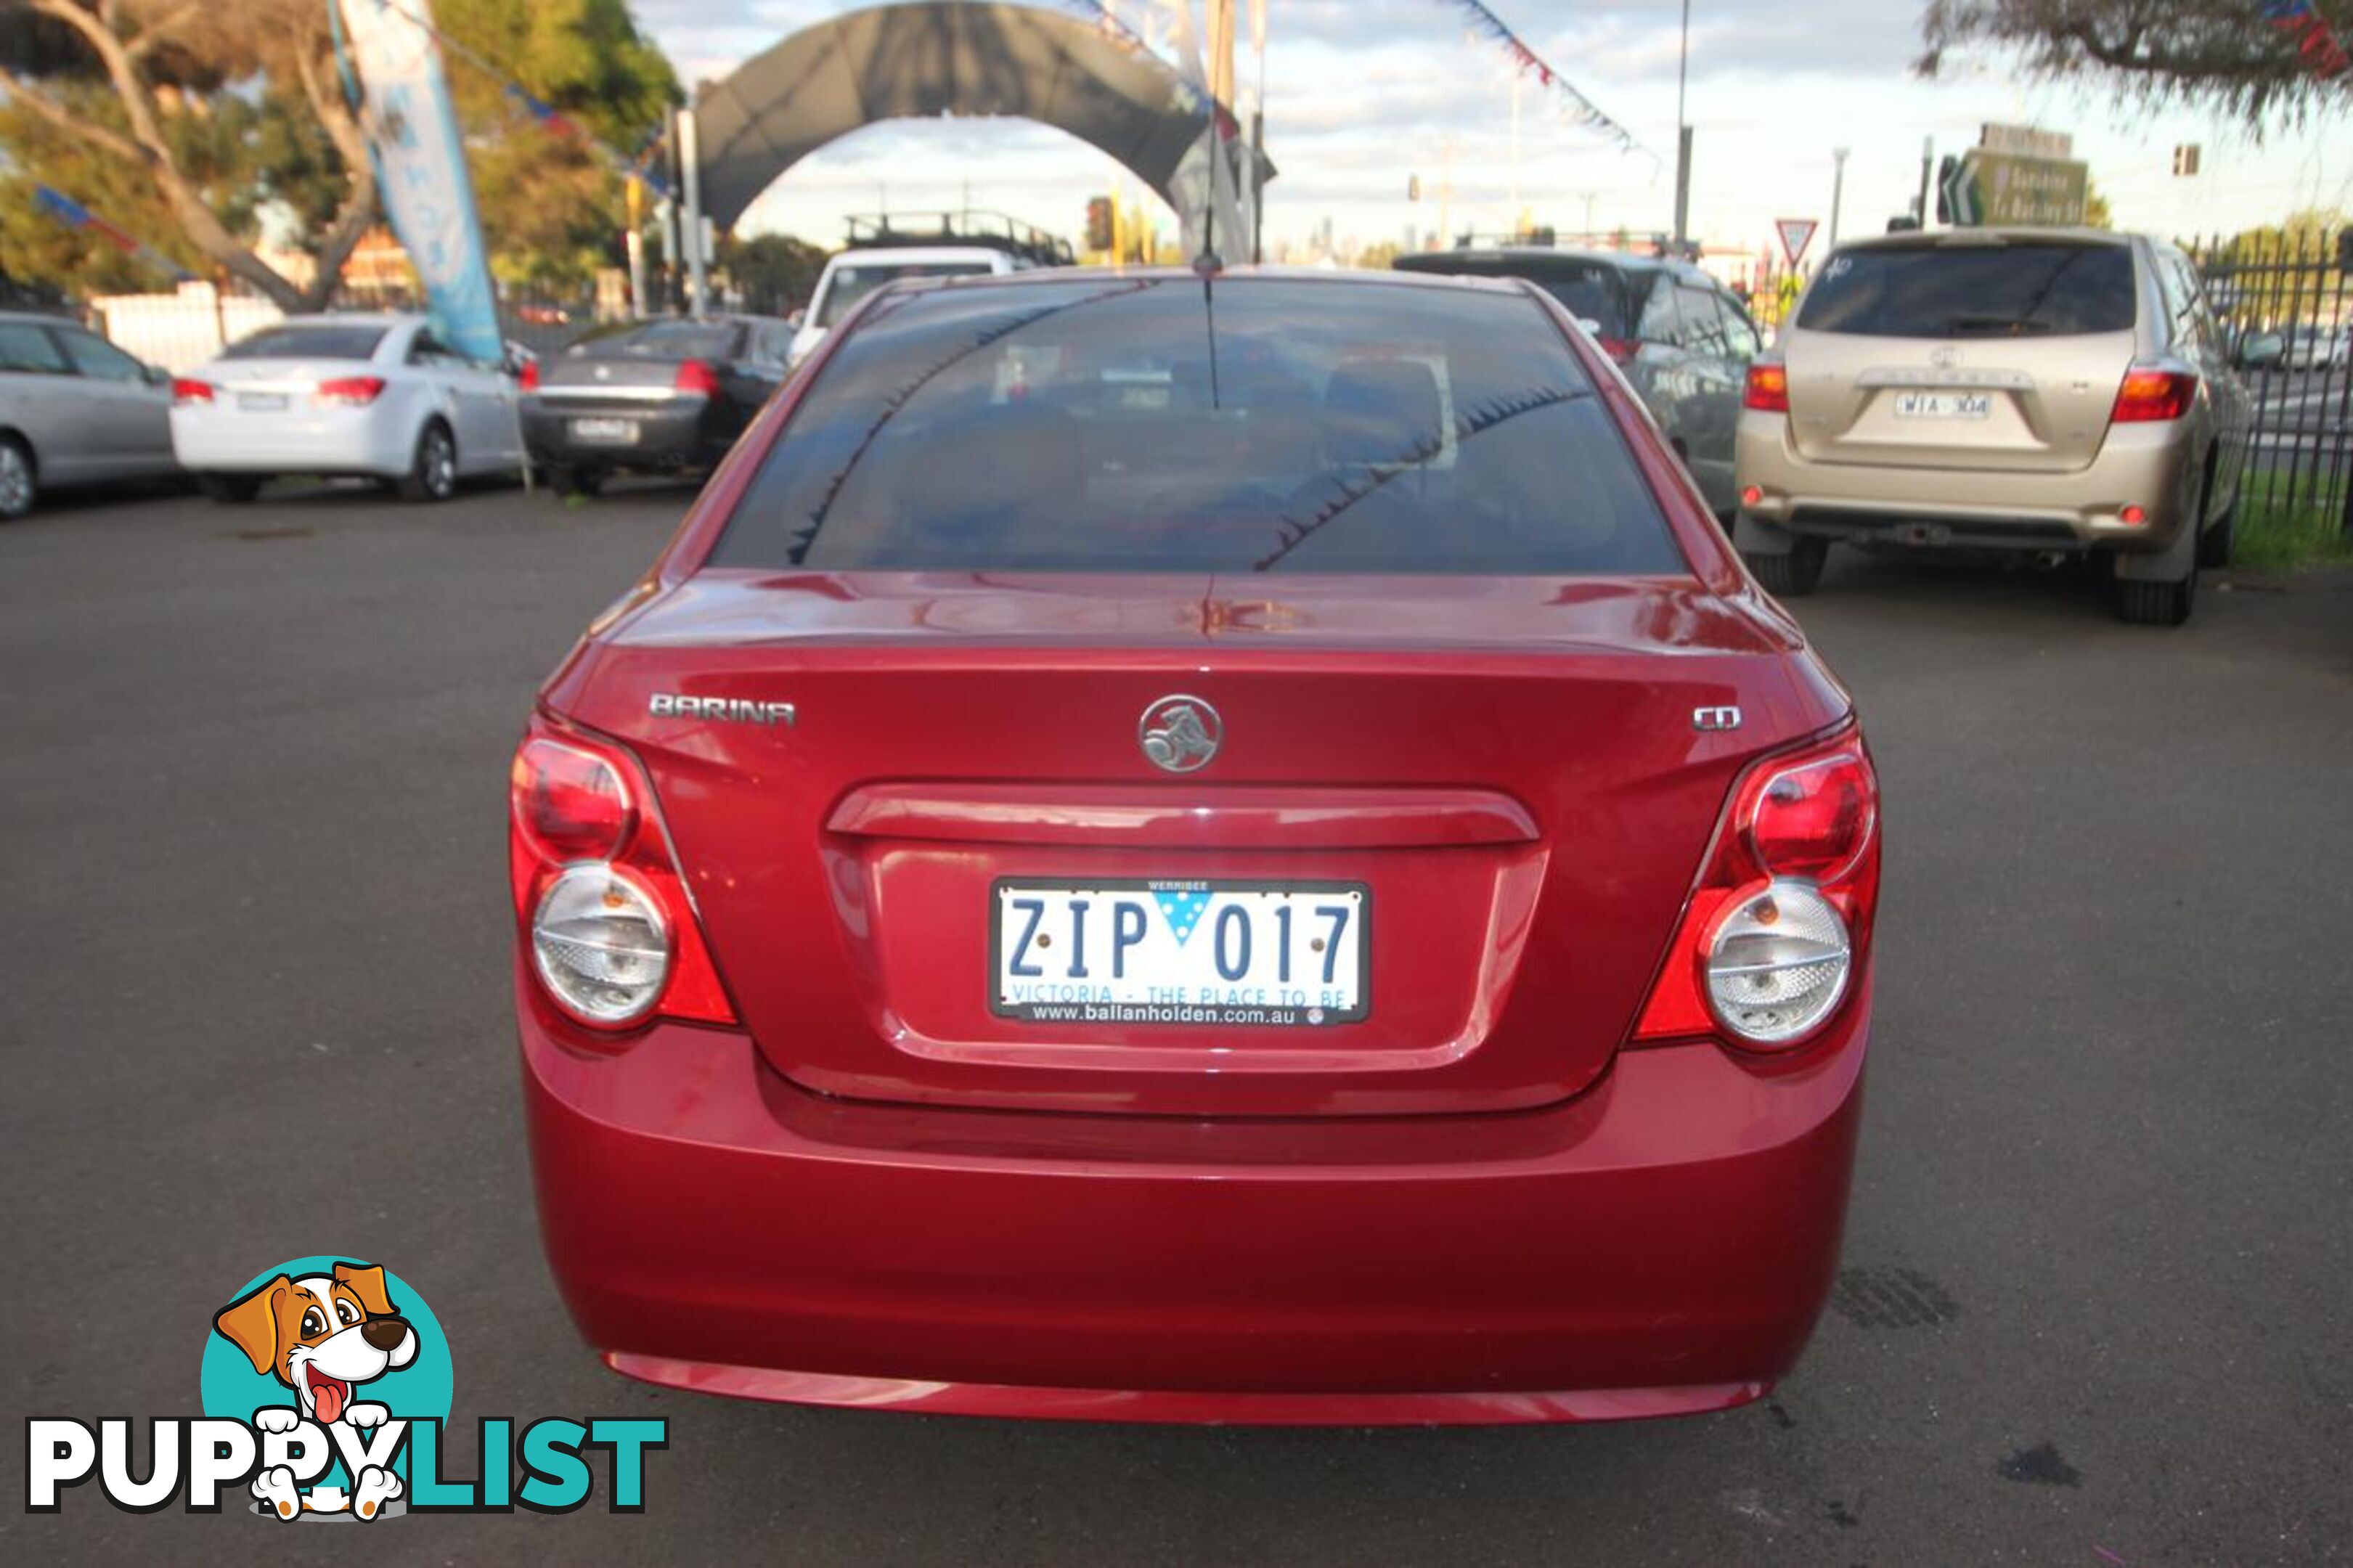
point(1151, 425)
point(2007, 290)
point(852, 284)
point(664, 340)
point(325, 340)
point(1591, 290)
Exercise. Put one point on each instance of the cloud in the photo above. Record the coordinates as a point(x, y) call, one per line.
point(1362, 93)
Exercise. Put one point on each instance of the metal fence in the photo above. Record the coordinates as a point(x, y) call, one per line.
point(2287, 305)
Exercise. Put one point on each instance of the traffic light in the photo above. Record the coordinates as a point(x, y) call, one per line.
point(1099, 222)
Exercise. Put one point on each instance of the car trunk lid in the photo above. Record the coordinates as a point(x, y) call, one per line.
point(1502, 777)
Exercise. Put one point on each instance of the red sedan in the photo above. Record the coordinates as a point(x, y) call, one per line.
point(1178, 846)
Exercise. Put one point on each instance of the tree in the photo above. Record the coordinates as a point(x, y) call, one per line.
point(2220, 55)
point(2097, 212)
point(551, 203)
point(776, 272)
point(180, 121)
point(2271, 275)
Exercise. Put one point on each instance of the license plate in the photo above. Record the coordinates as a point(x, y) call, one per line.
point(1943, 404)
point(1287, 954)
point(622, 431)
point(261, 401)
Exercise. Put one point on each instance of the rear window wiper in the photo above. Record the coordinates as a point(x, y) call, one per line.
point(2016, 326)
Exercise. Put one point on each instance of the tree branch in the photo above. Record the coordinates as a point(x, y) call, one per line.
point(197, 221)
point(358, 213)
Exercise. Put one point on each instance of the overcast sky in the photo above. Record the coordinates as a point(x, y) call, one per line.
point(1362, 93)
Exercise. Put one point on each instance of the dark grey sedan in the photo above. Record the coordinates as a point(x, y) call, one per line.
point(661, 396)
point(1681, 339)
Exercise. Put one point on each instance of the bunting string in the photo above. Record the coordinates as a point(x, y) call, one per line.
point(1575, 104)
point(71, 213)
point(2315, 40)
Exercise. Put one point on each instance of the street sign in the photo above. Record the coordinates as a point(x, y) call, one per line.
point(2027, 139)
point(1797, 233)
point(2012, 190)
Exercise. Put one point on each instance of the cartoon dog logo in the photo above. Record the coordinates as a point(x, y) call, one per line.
point(322, 1336)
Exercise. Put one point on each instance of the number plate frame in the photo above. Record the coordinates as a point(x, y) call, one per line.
point(1970, 405)
point(1276, 1013)
point(606, 431)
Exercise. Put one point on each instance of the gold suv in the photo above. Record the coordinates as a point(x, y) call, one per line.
point(2035, 390)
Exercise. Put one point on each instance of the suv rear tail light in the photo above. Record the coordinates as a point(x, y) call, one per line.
point(600, 905)
point(187, 389)
point(2152, 396)
point(696, 375)
point(1780, 920)
point(1768, 389)
point(349, 391)
point(1621, 351)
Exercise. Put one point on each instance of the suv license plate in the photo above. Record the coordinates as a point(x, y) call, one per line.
point(1943, 404)
point(1180, 950)
point(611, 432)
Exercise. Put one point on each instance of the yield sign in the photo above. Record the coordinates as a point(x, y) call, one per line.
point(1797, 233)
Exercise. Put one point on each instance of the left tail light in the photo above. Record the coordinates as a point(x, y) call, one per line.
point(1767, 390)
point(1779, 925)
point(187, 390)
point(600, 905)
point(349, 391)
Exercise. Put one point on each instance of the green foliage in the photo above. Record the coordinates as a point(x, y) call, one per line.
point(2273, 536)
point(553, 209)
point(776, 272)
point(2276, 274)
point(2209, 55)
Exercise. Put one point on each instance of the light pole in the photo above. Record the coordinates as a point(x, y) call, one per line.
point(1837, 188)
point(1683, 137)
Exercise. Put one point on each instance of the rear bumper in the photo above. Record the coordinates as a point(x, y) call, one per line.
point(668, 436)
point(1660, 1244)
point(374, 441)
point(2146, 465)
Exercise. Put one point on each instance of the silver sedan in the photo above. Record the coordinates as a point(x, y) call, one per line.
point(75, 410)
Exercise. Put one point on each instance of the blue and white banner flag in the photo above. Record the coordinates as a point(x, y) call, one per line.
point(420, 163)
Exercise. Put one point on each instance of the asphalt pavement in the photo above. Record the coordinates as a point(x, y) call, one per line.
point(254, 1001)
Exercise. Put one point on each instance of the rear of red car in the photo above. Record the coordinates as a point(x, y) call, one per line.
point(1168, 848)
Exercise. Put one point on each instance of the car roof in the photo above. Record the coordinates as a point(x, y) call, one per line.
point(1344, 277)
point(1436, 260)
point(920, 253)
point(1967, 238)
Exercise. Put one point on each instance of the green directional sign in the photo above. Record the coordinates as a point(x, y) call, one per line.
point(2015, 190)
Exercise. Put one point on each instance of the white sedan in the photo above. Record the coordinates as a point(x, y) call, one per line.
point(372, 396)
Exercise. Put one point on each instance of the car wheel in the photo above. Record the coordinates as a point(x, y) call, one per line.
point(1793, 574)
point(2158, 603)
point(20, 483)
point(433, 475)
point(229, 490)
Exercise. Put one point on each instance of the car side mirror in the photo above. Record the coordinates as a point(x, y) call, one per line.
point(156, 375)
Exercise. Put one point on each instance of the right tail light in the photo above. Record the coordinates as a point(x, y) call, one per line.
point(2154, 396)
point(601, 909)
point(1772, 937)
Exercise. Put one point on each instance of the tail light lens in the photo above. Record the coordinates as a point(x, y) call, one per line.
point(1781, 921)
point(527, 377)
point(696, 375)
point(349, 391)
point(600, 904)
point(186, 390)
point(2153, 396)
point(1768, 389)
point(1621, 351)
